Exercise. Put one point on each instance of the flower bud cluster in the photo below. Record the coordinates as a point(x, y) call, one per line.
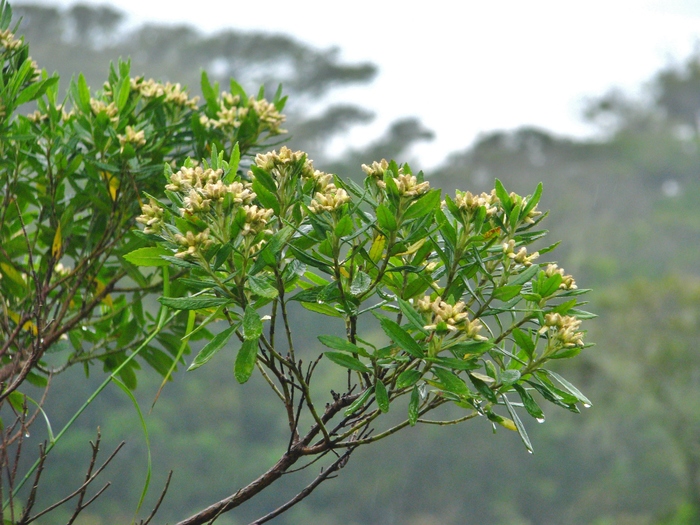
point(173, 93)
point(202, 187)
point(8, 40)
point(471, 203)
point(407, 185)
point(279, 164)
point(151, 217)
point(330, 199)
point(232, 111)
point(135, 138)
point(564, 328)
point(521, 257)
point(255, 220)
point(192, 243)
point(453, 317)
point(110, 109)
point(532, 214)
point(567, 281)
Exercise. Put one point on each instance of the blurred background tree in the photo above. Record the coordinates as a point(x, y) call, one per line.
point(627, 203)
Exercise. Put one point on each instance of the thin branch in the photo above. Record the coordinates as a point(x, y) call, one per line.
point(160, 500)
point(336, 465)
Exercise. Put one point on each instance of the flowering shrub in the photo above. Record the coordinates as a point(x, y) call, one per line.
point(429, 298)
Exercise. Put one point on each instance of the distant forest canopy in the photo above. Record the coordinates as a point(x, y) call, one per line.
point(627, 205)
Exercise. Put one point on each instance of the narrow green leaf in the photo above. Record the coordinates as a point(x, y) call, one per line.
point(322, 308)
point(338, 343)
point(401, 337)
point(571, 388)
point(524, 341)
point(407, 378)
point(252, 324)
point(148, 256)
point(414, 406)
point(526, 275)
point(413, 317)
point(425, 204)
point(518, 424)
point(83, 94)
point(530, 404)
point(193, 303)
point(245, 360)
point(359, 402)
point(506, 293)
point(262, 287)
point(451, 382)
point(347, 361)
point(382, 396)
point(211, 348)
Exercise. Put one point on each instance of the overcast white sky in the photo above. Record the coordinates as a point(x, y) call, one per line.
point(466, 67)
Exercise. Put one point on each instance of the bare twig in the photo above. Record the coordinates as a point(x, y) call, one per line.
point(160, 500)
point(323, 476)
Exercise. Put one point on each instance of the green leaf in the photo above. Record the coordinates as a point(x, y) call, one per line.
point(530, 404)
point(532, 201)
point(211, 348)
point(360, 284)
point(502, 195)
point(509, 377)
point(359, 402)
point(344, 227)
point(264, 178)
point(322, 308)
point(524, 341)
point(386, 219)
point(483, 388)
point(425, 204)
point(506, 293)
point(518, 424)
point(83, 94)
point(408, 378)
point(338, 343)
point(401, 337)
point(245, 360)
point(413, 317)
point(252, 324)
point(17, 400)
point(193, 303)
point(571, 388)
point(148, 256)
point(451, 382)
point(262, 287)
point(414, 406)
point(382, 396)
point(347, 361)
point(525, 276)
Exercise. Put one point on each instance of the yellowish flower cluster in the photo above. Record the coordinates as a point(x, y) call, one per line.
point(202, 187)
point(110, 109)
point(470, 203)
point(454, 316)
point(37, 116)
point(521, 257)
point(277, 164)
point(564, 329)
point(192, 243)
point(567, 281)
point(173, 93)
point(331, 199)
point(231, 114)
point(256, 220)
point(136, 138)
point(408, 185)
point(152, 217)
point(8, 40)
